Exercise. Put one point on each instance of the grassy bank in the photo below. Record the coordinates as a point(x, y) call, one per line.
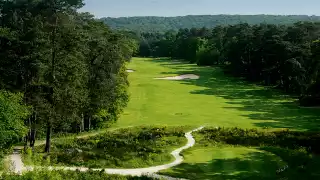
point(70, 175)
point(250, 154)
point(123, 148)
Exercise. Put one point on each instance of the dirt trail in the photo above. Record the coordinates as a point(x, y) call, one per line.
point(18, 165)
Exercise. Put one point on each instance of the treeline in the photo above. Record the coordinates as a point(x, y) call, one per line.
point(60, 70)
point(287, 57)
point(163, 24)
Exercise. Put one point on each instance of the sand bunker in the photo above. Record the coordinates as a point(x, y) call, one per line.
point(130, 70)
point(181, 77)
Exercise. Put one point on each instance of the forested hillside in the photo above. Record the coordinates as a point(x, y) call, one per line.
point(162, 24)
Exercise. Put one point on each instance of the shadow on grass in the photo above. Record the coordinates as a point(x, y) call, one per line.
point(253, 166)
point(277, 109)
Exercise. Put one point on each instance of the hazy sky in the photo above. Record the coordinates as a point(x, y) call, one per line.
point(118, 8)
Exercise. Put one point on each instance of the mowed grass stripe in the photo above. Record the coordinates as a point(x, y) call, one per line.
point(213, 100)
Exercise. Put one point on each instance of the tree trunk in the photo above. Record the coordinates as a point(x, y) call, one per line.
point(52, 80)
point(48, 138)
point(32, 137)
point(82, 123)
point(26, 142)
point(27, 137)
point(89, 123)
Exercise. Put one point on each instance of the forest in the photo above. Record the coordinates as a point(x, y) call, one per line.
point(279, 56)
point(163, 24)
point(60, 71)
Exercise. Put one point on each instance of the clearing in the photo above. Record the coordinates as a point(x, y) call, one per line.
point(212, 100)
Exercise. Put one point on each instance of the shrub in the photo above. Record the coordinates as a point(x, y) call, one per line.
point(208, 57)
point(254, 137)
point(309, 101)
point(12, 116)
point(70, 175)
point(128, 148)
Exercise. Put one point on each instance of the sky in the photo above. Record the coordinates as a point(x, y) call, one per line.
point(125, 8)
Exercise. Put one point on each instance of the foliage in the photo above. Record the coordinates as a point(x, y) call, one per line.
point(126, 148)
point(70, 175)
point(68, 66)
point(254, 137)
point(163, 24)
point(12, 115)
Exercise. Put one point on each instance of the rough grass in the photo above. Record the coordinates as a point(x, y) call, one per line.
point(249, 154)
point(125, 148)
point(4, 162)
point(69, 175)
point(213, 100)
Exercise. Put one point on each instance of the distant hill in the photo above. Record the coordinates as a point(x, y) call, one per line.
point(161, 24)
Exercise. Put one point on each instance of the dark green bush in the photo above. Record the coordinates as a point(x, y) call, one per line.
point(309, 101)
point(207, 58)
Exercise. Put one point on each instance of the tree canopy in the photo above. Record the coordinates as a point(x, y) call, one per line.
point(163, 24)
point(66, 66)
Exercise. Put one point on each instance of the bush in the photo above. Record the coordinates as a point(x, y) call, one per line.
point(309, 101)
point(208, 58)
point(12, 116)
point(69, 175)
point(254, 137)
point(127, 148)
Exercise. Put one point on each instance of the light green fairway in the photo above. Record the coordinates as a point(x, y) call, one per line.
point(213, 100)
point(227, 163)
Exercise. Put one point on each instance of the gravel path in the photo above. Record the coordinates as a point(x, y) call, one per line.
point(150, 171)
point(16, 164)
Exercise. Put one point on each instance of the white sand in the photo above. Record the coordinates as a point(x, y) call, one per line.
point(181, 77)
point(130, 70)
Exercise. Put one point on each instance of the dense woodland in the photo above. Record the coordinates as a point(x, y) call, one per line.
point(163, 24)
point(282, 56)
point(60, 71)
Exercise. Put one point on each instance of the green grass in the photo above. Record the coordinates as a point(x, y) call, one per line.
point(213, 100)
point(249, 154)
point(224, 162)
point(124, 148)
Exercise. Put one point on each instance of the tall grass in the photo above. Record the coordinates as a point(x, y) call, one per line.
point(69, 175)
point(125, 148)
